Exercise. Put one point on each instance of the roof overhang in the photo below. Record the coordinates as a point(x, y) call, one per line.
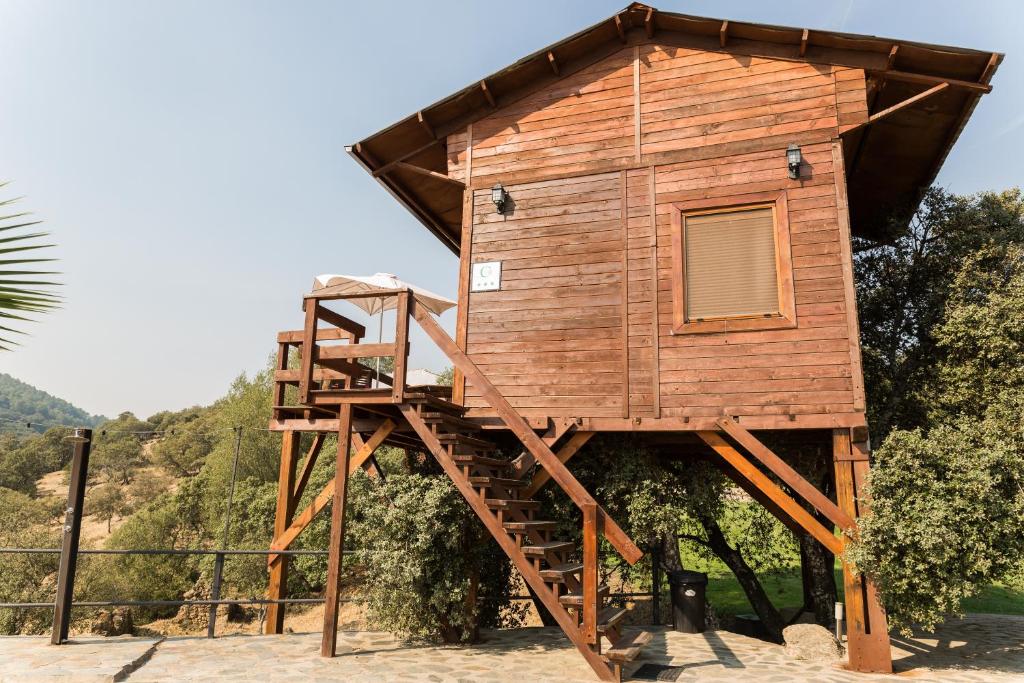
point(889, 163)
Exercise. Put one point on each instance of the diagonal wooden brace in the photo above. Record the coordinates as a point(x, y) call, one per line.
point(361, 458)
point(571, 447)
point(783, 471)
point(759, 479)
point(307, 465)
point(526, 460)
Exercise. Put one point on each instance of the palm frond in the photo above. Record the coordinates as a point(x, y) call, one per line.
point(20, 293)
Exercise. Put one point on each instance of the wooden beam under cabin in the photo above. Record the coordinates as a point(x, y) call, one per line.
point(649, 22)
point(783, 471)
point(804, 37)
point(723, 34)
point(759, 479)
point(620, 28)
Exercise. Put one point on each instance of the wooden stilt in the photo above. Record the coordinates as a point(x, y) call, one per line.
point(278, 588)
point(867, 628)
point(330, 634)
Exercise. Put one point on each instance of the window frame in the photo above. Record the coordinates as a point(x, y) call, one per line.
point(786, 316)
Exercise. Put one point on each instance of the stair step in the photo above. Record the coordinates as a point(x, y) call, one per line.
point(447, 419)
point(463, 440)
point(609, 617)
point(439, 404)
point(505, 504)
point(628, 648)
point(533, 525)
point(481, 460)
point(559, 572)
point(498, 481)
point(576, 599)
point(539, 549)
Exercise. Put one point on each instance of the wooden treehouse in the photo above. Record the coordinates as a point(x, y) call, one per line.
point(653, 221)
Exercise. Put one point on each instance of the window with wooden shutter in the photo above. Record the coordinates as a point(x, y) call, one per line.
point(731, 267)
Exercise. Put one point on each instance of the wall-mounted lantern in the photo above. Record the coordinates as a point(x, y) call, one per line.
point(793, 160)
point(499, 195)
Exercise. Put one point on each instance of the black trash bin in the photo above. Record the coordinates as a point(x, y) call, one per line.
point(687, 590)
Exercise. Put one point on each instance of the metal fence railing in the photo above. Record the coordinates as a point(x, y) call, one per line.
point(69, 553)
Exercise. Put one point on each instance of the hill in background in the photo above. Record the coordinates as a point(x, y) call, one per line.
point(24, 403)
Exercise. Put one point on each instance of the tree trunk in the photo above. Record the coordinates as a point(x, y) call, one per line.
point(817, 563)
point(819, 581)
point(770, 618)
point(670, 560)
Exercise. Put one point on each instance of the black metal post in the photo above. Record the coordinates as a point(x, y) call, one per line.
point(656, 585)
point(218, 570)
point(72, 531)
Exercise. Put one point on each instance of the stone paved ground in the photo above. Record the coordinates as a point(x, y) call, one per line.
point(979, 648)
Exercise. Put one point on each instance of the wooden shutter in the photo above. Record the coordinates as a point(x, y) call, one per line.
point(730, 264)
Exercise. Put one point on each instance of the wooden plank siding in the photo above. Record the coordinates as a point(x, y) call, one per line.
point(582, 326)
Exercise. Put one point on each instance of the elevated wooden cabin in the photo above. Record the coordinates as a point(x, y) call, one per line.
point(653, 220)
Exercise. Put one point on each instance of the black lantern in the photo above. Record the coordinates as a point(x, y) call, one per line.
point(500, 197)
point(793, 160)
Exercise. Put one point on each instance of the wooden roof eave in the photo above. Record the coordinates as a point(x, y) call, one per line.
point(423, 215)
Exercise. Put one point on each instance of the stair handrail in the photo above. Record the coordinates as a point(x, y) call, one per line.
point(515, 422)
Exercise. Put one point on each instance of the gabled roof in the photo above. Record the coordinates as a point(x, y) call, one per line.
point(889, 164)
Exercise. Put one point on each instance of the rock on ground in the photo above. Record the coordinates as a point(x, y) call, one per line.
point(812, 643)
point(115, 622)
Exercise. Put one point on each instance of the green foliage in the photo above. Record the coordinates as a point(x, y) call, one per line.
point(23, 460)
point(947, 487)
point(902, 290)
point(107, 501)
point(947, 509)
point(982, 335)
point(23, 288)
point(25, 523)
point(424, 550)
point(172, 521)
point(184, 444)
point(26, 404)
point(117, 449)
point(446, 377)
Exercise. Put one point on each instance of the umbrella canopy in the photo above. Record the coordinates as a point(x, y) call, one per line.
point(325, 285)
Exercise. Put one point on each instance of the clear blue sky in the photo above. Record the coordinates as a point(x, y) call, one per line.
point(189, 159)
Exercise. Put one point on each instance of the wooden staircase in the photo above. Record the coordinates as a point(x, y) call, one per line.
point(563, 577)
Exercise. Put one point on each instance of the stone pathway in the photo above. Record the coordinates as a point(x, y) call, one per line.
point(979, 648)
point(32, 658)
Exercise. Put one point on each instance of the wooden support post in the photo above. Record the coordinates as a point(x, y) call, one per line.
point(308, 350)
point(401, 348)
point(72, 532)
point(278, 588)
point(867, 629)
point(218, 574)
point(590, 571)
point(330, 635)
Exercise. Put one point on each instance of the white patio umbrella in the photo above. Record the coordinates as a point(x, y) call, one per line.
point(328, 284)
